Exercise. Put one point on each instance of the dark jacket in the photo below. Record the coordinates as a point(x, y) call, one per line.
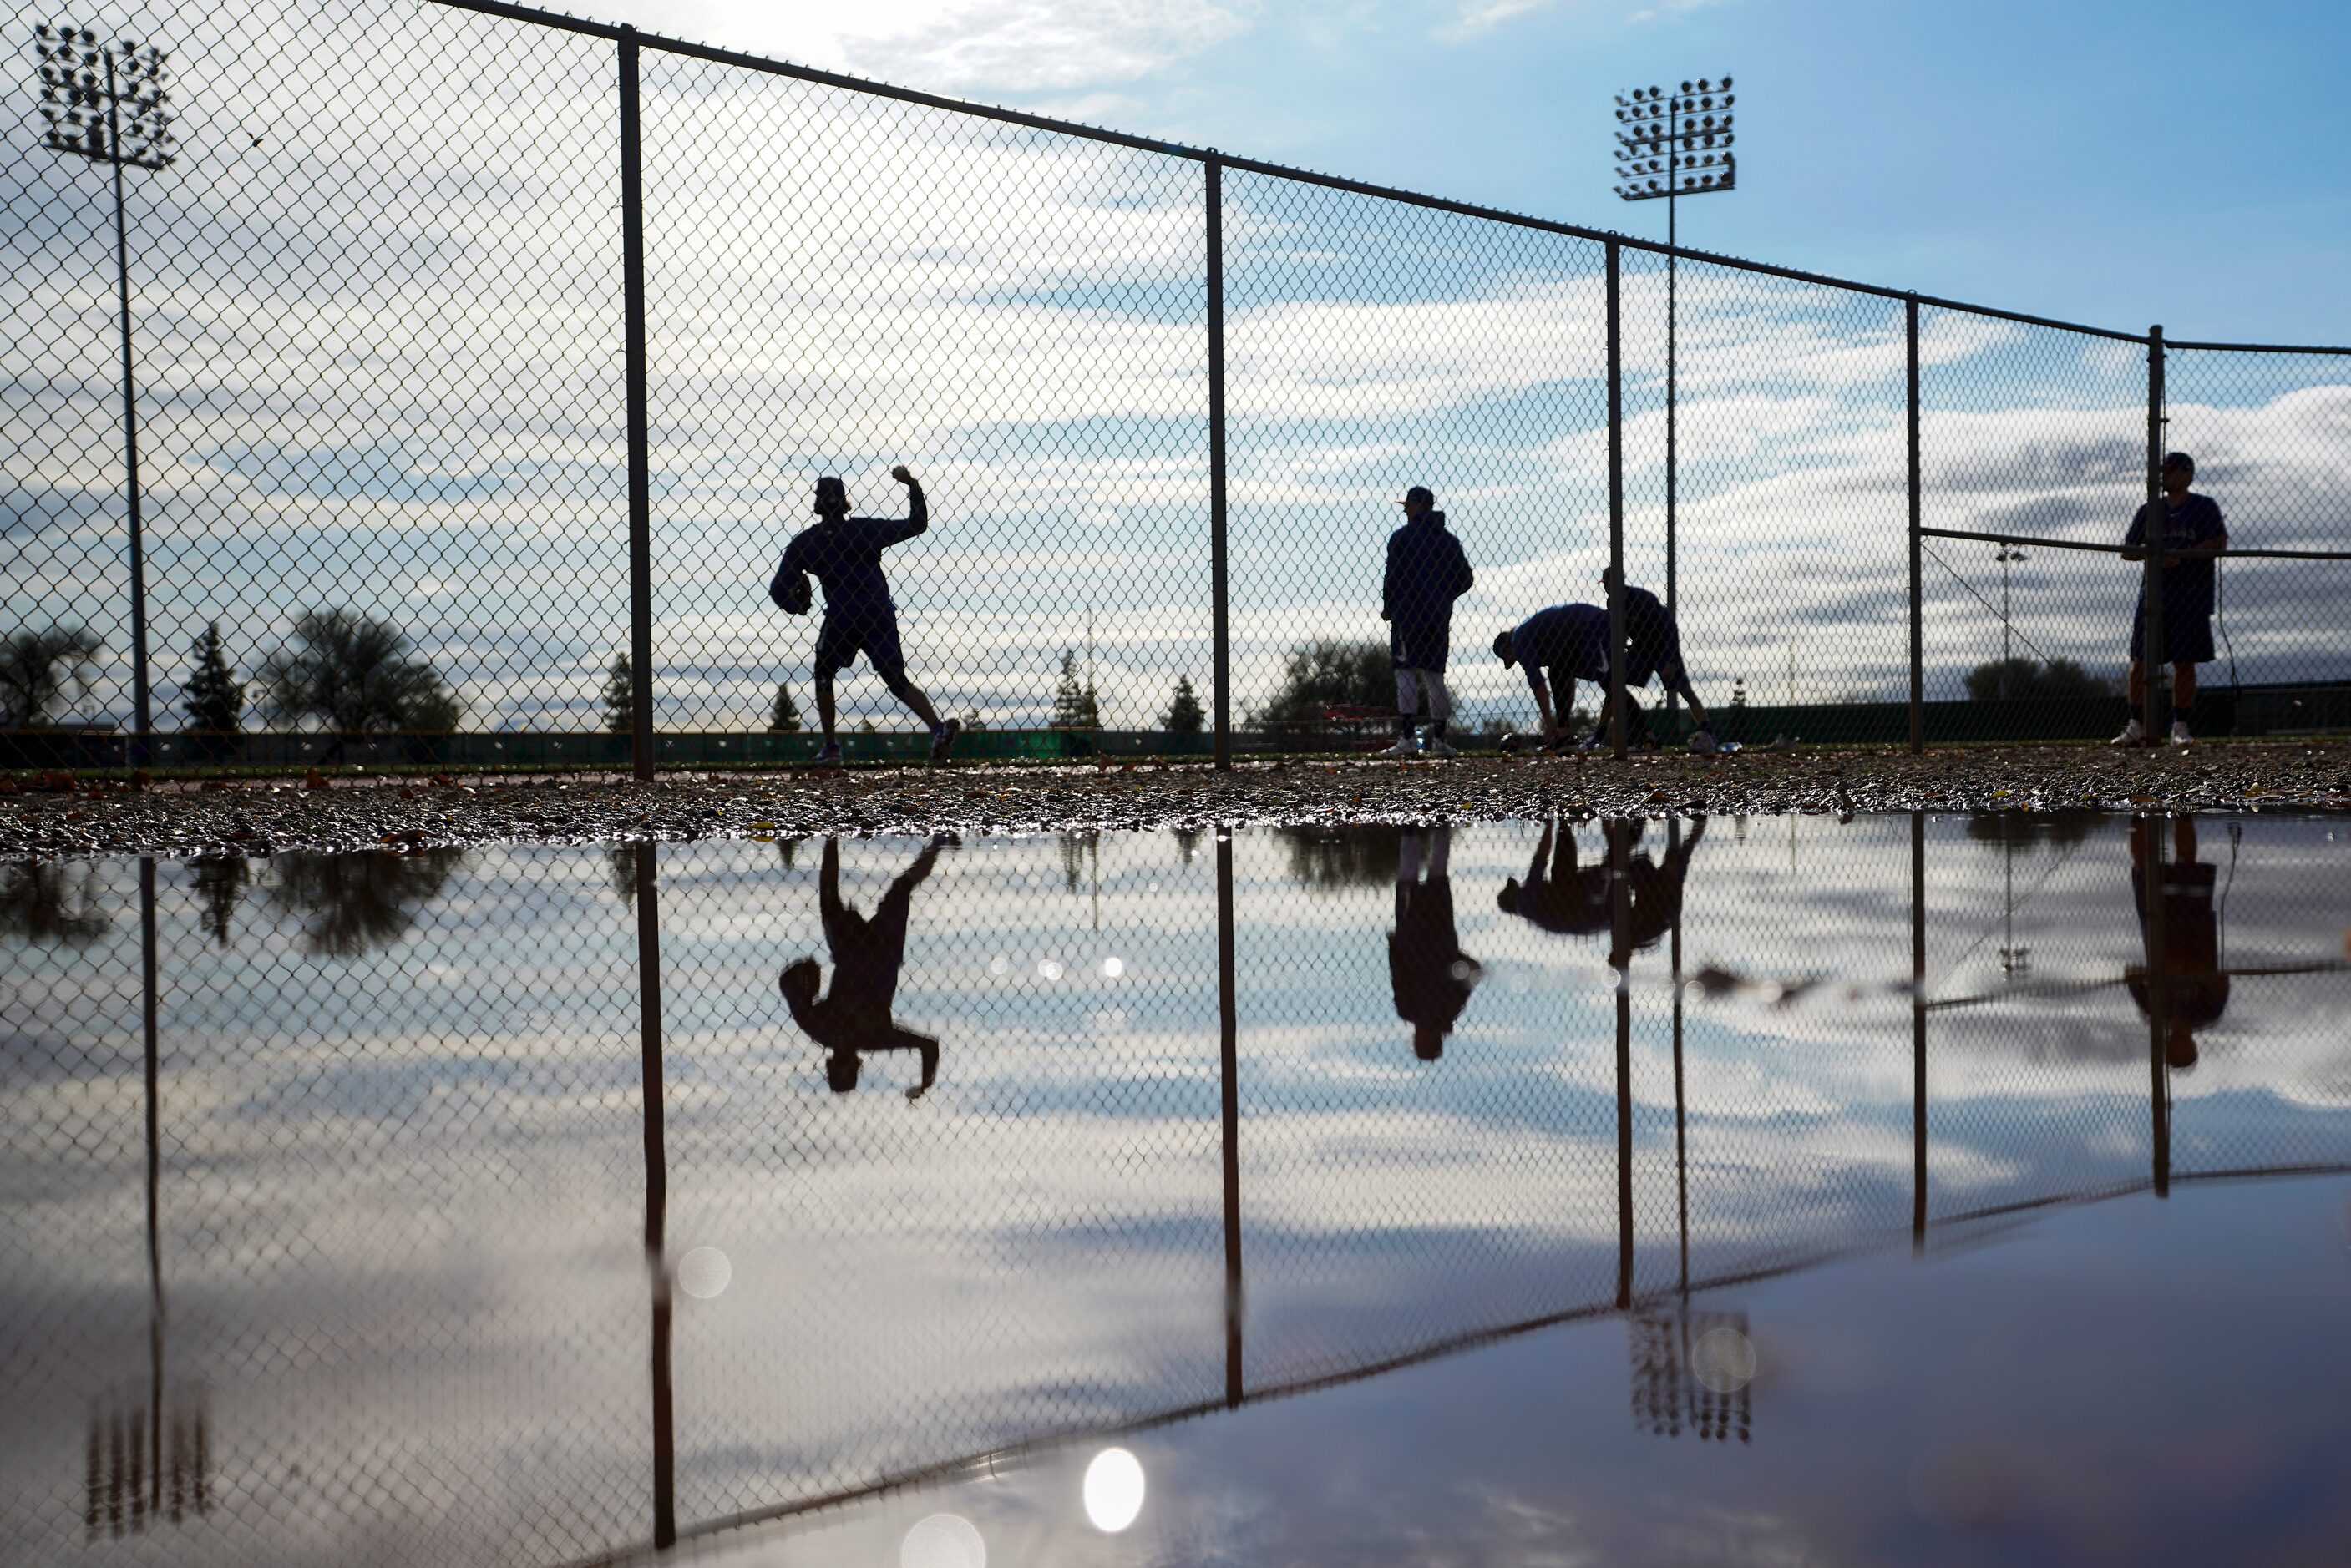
point(1427, 572)
point(845, 556)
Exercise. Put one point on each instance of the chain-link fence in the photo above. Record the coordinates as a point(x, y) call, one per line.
point(442, 382)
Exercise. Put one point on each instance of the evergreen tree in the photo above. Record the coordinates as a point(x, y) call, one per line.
point(1074, 706)
point(784, 718)
point(621, 698)
point(213, 696)
point(1184, 716)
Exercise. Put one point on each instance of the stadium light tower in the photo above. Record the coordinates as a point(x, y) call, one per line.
point(104, 99)
point(1670, 145)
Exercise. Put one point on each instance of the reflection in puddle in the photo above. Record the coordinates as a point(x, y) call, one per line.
point(334, 1184)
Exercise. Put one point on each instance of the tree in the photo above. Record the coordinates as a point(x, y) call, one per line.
point(621, 698)
point(1074, 706)
point(2028, 679)
point(355, 675)
point(353, 904)
point(1329, 674)
point(37, 667)
point(45, 902)
point(221, 881)
point(213, 696)
point(1184, 713)
point(784, 718)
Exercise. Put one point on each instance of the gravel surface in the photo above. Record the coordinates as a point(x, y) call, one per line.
point(41, 816)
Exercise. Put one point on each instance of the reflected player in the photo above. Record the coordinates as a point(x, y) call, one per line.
point(867, 955)
point(1429, 974)
point(2195, 986)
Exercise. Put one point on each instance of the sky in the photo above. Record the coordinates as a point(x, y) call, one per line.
point(2115, 163)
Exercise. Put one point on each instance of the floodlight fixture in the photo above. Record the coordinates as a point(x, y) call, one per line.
point(108, 99)
point(1669, 146)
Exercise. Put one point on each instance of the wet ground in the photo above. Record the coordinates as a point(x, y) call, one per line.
point(1940, 1189)
point(46, 819)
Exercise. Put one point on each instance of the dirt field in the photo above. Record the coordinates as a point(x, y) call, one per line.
point(46, 820)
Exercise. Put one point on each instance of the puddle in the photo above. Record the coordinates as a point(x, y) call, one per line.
point(1365, 1188)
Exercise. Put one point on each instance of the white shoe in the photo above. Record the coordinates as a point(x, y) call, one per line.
point(2180, 735)
point(2134, 734)
point(1702, 741)
point(1402, 748)
point(1435, 746)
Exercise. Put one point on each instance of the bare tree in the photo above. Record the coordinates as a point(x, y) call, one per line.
point(37, 667)
point(357, 676)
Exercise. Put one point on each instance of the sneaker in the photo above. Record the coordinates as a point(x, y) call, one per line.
point(2180, 735)
point(1593, 742)
point(1437, 746)
point(2134, 734)
point(1405, 747)
point(1702, 743)
point(829, 757)
point(943, 741)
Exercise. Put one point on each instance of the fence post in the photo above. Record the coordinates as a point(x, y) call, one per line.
point(2157, 708)
point(1619, 836)
point(641, 502)
point(1229, 1098)
point(1917, 1030)
point(1220, 633)
point(1917, 586)
point(2154, 828)
point(1617, 696)
point(650, 1109)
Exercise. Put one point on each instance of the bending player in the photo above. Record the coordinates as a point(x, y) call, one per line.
point(1653, 646)
point(844, 554)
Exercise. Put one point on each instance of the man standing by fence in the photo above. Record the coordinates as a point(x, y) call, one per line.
point(844, 554)
point(2187, 523)
point(1426, 573)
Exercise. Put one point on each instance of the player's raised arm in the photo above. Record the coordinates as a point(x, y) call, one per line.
point(918, 509)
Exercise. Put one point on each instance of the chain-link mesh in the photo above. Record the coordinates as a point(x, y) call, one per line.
point(942, 1141)
point(1373, 345)
point(2266, 430)
point(1017, 315)
point(376, 317)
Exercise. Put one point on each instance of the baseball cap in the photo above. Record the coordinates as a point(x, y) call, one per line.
point(1502, 648)
point(2179, 460)
point(829, 491)
point(1420, 492)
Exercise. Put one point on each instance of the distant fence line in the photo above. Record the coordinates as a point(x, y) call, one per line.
point(386, 353)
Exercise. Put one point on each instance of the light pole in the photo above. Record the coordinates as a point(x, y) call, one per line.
point(104, 100)
point(1672, 145)
point(2007, 556)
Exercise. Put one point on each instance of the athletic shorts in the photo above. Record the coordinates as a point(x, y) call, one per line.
point(2187, 638)
point(1420, 647)
point(849, 631)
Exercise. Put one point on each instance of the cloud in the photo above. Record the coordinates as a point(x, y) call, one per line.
point(1012, 45)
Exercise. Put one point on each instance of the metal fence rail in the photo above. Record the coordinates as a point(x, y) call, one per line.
point(481, 360)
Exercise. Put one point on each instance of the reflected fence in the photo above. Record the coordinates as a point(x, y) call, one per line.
point(444, 384)
point(537, 1113)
